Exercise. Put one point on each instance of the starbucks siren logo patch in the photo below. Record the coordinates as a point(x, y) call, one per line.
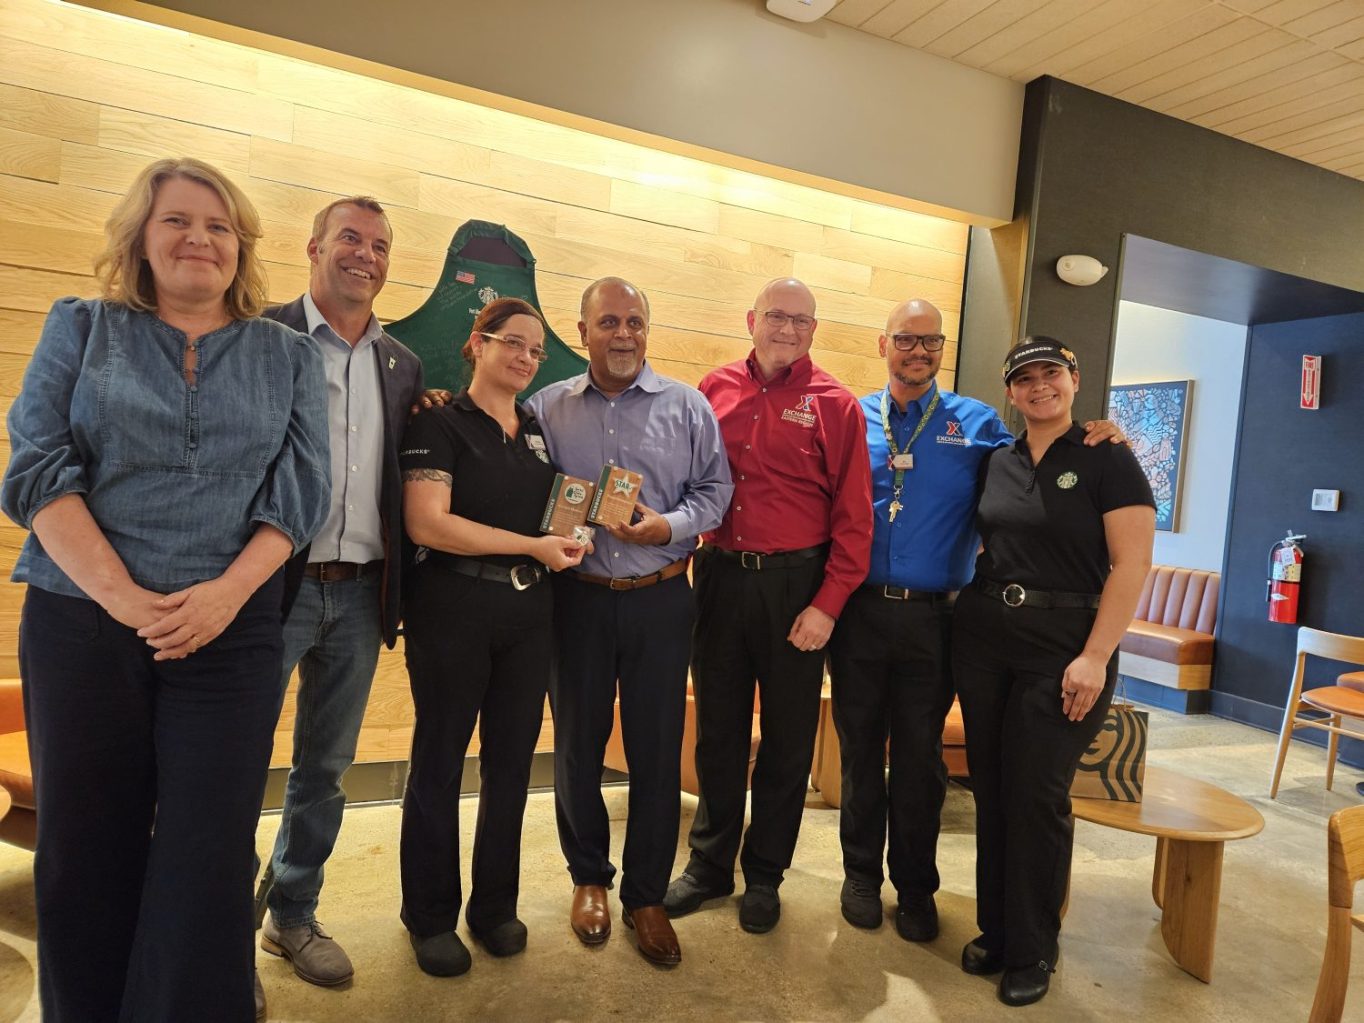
point(1067, 480)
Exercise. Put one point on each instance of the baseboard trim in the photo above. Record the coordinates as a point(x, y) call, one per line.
point(383, 782)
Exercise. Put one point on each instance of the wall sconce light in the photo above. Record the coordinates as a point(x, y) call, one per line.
point(1081, 271)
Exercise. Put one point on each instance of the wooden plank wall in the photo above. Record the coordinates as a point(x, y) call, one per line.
point(87, 99)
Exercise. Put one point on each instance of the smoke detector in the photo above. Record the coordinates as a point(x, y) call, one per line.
point(801, 10)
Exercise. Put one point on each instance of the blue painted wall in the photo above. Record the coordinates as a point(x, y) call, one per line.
point(1283, 453)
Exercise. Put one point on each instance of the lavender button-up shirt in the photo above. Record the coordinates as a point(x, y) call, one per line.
point(660, 428)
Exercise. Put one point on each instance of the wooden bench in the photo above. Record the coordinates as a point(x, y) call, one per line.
point(1191, 821)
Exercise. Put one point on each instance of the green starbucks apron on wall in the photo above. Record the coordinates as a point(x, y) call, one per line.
point(485, 261)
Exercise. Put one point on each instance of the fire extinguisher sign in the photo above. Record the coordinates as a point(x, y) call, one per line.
point(1310, 397)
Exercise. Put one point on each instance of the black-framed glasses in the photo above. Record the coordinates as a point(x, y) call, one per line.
point(908, 342)
point(779, 319)
point(519, 345)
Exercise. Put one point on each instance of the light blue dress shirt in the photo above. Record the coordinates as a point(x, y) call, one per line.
point(660, 428)
point(355, 417)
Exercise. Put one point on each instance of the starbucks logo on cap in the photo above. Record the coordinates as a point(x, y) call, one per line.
point(1067, 480)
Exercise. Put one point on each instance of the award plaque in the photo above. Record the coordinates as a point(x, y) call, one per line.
point(614, 502)
point(566, 510)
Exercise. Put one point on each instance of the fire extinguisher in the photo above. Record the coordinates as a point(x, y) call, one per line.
point(1285, 579)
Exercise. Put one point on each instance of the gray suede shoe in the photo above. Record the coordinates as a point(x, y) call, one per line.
point(315, 956)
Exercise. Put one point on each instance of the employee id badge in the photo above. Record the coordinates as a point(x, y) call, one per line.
point(535, 442)
point(902, 461)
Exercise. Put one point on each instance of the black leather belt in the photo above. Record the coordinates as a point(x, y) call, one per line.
point(899, 593)
point(780, 559)
point(1016, 596)
point(634, 582)
point(341, 571)
point(519, 577)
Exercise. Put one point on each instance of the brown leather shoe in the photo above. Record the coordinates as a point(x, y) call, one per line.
point(654, 932)
point(591, 916)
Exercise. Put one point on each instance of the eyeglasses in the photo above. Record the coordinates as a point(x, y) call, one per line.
point(518, 345)
point(779, 319)
point(908, 342)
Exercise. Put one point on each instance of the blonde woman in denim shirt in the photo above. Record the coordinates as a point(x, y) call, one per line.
point(169, 453)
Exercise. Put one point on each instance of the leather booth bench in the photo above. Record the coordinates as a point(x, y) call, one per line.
point(826, 771)
point(1170, 640)
point(19, 825)
point(615, 745)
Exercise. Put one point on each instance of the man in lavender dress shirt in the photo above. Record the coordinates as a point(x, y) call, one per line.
point(626, 617)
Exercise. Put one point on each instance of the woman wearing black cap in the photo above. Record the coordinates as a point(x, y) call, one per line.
point(1067, 532)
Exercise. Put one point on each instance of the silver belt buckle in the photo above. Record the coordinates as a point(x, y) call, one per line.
point(757, 562)
point(516, 580)
point(1014, 595)
point(887, 592)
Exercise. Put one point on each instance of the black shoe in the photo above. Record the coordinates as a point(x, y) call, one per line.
point(861, 901)
point(506, 939)
point(979, 961)
point(760, 908)
point(686, 894)
point(1023, 985)
point(916, 918)
point(441, 955)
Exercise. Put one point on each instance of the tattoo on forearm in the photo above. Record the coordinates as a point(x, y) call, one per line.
point(431, 475)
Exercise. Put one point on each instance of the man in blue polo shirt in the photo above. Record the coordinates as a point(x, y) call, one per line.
point(889, 656)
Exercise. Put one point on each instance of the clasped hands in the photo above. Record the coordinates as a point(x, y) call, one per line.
point(181, 623)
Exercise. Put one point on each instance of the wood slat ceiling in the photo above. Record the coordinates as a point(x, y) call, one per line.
point(1287, 75)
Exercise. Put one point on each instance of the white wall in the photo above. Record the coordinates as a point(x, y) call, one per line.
point(822, 100)
point(1159, 344)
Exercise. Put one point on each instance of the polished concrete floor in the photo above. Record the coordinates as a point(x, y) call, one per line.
point(815, 966)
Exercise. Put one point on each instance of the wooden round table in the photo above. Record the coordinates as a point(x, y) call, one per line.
point(1191, 821)
point(1351, 680)
point(5, 803)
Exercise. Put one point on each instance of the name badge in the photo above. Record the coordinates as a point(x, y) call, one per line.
point(903, 461)
point(535, 442)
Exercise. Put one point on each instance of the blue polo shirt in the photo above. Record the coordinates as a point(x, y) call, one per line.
point(932, 543)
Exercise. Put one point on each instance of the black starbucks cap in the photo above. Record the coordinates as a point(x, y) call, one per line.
point(1038, 349)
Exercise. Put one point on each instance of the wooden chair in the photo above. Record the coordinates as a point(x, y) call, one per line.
point(1345, 859)
point(1336, 701)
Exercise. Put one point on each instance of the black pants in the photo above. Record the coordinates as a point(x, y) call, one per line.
point(643, 639)
point(743, 617)
point(1022, 751)
point(892, 680)
point(139, 924)
point(476, 650)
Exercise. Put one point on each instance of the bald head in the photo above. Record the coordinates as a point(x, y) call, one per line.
point(782, 322)
point(785, 289)
point(916, 309)
point(613, 283)
point(916, 323)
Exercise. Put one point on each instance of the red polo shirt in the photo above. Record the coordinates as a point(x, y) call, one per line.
point(797, 451)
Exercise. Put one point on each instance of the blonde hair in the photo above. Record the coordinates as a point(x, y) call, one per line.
point(122, 268)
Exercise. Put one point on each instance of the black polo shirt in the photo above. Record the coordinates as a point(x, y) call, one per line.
point(1042, 526)
point(495, 480)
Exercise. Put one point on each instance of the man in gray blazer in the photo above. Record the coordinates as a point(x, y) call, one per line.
point(343, 592)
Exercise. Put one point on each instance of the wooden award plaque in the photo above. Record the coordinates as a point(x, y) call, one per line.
point(569, 502)
point(617, 492)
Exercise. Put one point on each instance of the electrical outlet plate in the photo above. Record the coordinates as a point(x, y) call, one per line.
point(1326, 500)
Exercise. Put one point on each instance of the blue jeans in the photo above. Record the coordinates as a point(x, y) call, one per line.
point(332, 635)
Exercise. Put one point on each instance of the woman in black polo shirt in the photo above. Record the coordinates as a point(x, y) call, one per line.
point(476, 475)
point(1067, 532)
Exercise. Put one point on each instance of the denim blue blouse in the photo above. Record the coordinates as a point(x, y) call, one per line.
point(176, 475)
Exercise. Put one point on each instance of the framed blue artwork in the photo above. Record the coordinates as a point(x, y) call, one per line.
point(1155, 418)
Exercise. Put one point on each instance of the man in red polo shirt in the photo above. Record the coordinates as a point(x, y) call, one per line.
point(770, 582)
